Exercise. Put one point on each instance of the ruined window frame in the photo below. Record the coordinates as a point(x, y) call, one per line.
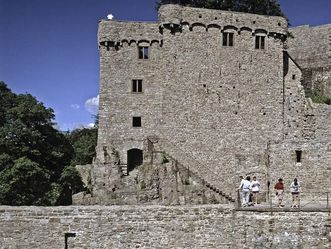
point(137, 86)
point(143, 52)
point(228, 39)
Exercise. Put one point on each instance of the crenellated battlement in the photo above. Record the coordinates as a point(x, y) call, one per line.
point(180, 15)
point(178, 19)
point(113, 33)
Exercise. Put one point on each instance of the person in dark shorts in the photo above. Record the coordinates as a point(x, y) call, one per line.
point(295, 191)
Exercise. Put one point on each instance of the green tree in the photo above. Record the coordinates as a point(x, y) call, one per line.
point(28, 141)
point(70, 183)
point(83, 142)
point(24, 183)
point(262, 7)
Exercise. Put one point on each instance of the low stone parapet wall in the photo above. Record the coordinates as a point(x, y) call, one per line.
point(199, 226)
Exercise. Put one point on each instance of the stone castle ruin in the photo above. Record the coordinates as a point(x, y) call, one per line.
point(187, 105)
point(191, 102)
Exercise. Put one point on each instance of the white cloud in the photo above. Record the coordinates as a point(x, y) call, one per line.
point(75, 106)
point(92, 105)
point(56, 126)
point(82, 126)
point(110, 16)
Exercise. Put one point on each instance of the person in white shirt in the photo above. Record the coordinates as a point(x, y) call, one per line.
point(240, 189)
point(295, 191)
point(255, 189)
point(245, 187)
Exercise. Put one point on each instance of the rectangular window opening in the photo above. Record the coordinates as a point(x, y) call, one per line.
point(298, 155)
point(259, 42)
point(231, 39)
point(293, 76)
point(262, 41)
point(137, 86)
point(228, 39)
point(136, 121)
point(143, 53)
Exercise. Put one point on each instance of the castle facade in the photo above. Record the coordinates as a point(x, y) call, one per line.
point(217, 93)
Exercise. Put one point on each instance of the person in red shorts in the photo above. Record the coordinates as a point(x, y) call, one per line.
point(279, 187)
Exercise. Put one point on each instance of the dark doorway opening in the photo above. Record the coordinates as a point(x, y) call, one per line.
point(135, 158)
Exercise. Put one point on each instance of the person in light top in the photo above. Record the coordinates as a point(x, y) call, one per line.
point(240, 189)
point(255, 190)
point(245, 187)
point(295, 191)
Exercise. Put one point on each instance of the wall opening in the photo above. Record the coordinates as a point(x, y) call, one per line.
point(143, 52)
point(134, 159)
point(136, 121)
point(66, 236)
point(137, 86)
point(298, 155)
point(259, 42)
point(228, 39)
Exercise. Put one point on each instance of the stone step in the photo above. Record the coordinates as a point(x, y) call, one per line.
point(172, 154)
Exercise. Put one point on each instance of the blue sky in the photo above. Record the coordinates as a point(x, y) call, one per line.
point(49, 47)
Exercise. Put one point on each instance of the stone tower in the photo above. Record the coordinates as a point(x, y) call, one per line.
point(215, 91)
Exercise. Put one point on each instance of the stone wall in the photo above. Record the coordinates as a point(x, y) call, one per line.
point(164, 181)
point(213, 108)
point(211, 101)
point(311, 48)
point(208, 226)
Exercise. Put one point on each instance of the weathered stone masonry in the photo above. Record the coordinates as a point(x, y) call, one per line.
point(207, 226)
point(311, 48)
point(218, 108)
point(218, 97)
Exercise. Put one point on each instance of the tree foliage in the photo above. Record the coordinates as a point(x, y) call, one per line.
point(262, 7)
point(24, 183)
point(34, 156)
point(83, 142)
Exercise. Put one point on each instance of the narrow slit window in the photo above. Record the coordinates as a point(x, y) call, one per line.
point(228, 39)
point(136, 121)
point(260, 42)
point(137, 86)
point(298, 155)
point(143, 53)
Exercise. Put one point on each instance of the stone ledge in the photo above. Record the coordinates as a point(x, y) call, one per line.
point(285, 209)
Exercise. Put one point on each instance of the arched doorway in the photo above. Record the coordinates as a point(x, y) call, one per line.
point(134, 159)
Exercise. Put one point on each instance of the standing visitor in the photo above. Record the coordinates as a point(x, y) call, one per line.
point(279, 187)
point(295, 191)
point(245, 187)
point(255, 190)
point(240, 188)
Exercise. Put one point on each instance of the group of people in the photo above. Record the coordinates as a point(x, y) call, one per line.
point(295, 191)
point(249, 191)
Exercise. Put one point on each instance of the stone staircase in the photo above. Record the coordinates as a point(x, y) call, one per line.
point(188, 163)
